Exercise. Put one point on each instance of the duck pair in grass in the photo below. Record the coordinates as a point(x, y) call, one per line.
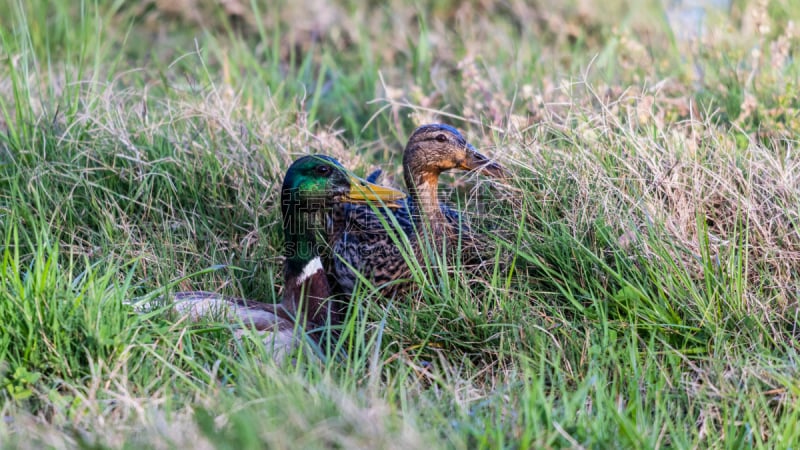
point(362, 230)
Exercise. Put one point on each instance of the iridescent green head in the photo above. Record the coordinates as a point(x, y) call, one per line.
point(315, 182)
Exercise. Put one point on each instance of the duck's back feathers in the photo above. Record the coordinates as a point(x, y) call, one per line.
point(270, 322)
point(360, 240)
point(257, 315)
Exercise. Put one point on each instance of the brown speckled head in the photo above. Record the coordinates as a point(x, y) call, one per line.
point(436, 148)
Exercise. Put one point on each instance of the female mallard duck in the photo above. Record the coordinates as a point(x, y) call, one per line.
point(357, 235)
point(312, 184)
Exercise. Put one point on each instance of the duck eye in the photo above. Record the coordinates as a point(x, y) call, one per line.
point(323, 170)
point(441, 138)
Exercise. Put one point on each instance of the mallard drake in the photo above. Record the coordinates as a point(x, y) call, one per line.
point(357, 235)
point(312, 184)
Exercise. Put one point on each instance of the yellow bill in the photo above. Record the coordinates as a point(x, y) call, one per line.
point(362, 191)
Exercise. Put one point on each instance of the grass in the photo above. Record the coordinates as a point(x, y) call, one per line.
point(643, 290)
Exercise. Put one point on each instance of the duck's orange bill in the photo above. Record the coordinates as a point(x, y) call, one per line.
point(362, 191)
point(479, 162)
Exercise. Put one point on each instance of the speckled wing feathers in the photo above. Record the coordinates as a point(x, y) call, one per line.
point(360, 239)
